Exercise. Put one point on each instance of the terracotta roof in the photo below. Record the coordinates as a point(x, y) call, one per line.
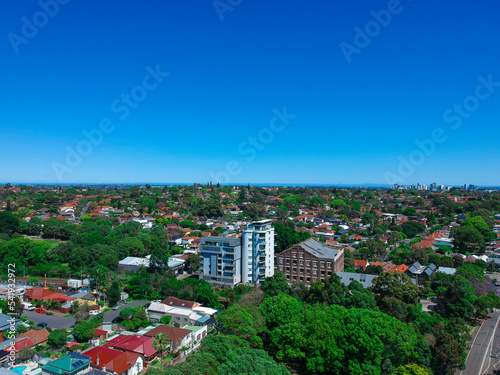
point(40, 294)
point(173, 333)
point(113, 360)
point(24, 342)
point(173, 301)
point(133, 343)
point(36, 336)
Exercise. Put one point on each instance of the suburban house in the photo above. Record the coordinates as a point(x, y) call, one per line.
point(133, 264)
point(181, 312)
point(179, 337)
point(85, 298)
point(5, 324)
point(115, 361)
point(40, 294)
point(310, 260)
point(135, 344)
point(70, 364)
point(418, 271)
point(14, 346)
point(364, 279)
point(37, 336)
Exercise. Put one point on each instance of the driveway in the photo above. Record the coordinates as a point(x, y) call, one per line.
point(53, 321)
point(110, 315)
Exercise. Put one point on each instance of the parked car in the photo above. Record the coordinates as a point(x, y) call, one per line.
point(117, 307)
point(42, 324)
point(156, 301)
point(94, 312)
point(49, 313)
point(39, 310)
point(116, 320)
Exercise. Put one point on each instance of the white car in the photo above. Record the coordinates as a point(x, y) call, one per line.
point(28, 306)
point(94, 312)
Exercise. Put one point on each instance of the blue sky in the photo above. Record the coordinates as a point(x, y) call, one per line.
point(351, 120)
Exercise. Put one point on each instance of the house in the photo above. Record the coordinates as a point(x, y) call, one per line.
point(179, 337)
point(70, 364)
point(310, 260)
point(85, 298)
point(364, 279)
point(40, 294)
point(361, 264)
point(37, 336)
point(115, 361)
point(13, 346)
point(133, 264)
point(181, 312)
point(141, 345)
point(416, 270)
point(6, 322)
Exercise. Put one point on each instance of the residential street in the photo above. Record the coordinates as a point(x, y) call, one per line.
point(53, 321)
point(484, 355)
point(110, 315)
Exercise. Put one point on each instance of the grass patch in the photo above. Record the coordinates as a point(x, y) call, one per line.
point(107, 310)
point(67, 316)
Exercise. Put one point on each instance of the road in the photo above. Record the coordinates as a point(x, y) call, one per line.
point(484, 355)
point(58, 322)
point(110, 315)
point(53, 321)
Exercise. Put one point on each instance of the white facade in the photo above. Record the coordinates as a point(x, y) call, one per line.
point(257, 247)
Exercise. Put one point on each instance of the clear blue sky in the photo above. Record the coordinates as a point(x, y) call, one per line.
point(227, 78)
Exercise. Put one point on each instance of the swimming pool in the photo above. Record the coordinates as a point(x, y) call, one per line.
point(19, 369)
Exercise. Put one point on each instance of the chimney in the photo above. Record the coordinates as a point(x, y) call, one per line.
point(97, 360)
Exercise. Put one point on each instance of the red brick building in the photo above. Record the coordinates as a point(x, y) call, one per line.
point(310, 261)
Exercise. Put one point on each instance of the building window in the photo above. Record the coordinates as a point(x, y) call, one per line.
point(301, 278)
point(323, 273)
point(308, 272)
point(281, 260)
point(301, 262)
point(281, 268)
point(308, 279)
point(301, 270)
point(301, 255)
point(315, 263)
point(294, 269)
point(329, 264)
point(294, 254)
point(288, 260)
point(308, 262)
point(329, 273)
point(315, 272)
point(288, 269)
point(295, 261)
point(322, 264)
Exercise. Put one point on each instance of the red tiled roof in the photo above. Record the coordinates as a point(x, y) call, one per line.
point(174, 333)
point(134, 343)
point(39, 294)
point(173, 301)
point(36, 336)
point(113, 360)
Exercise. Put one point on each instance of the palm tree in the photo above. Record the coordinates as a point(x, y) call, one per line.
point(161, 343)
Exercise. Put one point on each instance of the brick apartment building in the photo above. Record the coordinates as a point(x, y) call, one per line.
point(309, 261)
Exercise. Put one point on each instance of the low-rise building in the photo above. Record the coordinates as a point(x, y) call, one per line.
point(310, 260)
point(70, 364)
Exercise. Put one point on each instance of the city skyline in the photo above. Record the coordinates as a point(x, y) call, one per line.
point(325, 94)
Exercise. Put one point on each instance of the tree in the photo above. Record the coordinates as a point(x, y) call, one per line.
point(193, 262)
point(281, 309)
point(165, 319)
point(468, 239)
point(411, 369)
point(255, 211)
point(394, 285)
point(84, 331)
point(58, 337)
point(161, 343)
point(8, 223)
point(276, 285)
point(412, 228)
point(113, 293)
point(25, 354)
point(377, 248)
point(238, 320)
point(287, 236)
point(458, 299)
